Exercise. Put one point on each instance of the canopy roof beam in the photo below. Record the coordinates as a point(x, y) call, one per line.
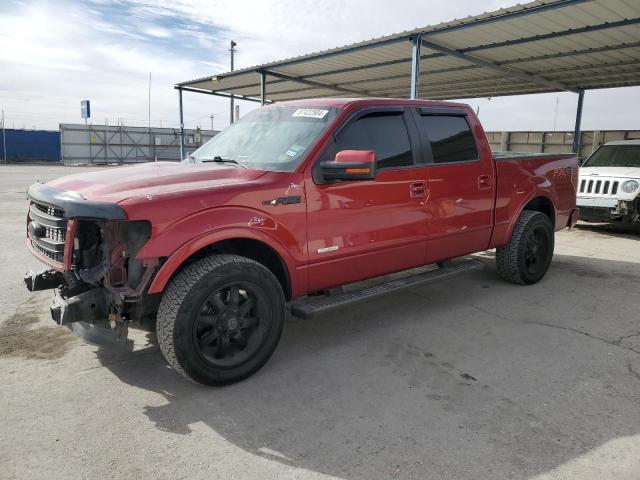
point(510, 71)
point(220, 94)
point(311, 83)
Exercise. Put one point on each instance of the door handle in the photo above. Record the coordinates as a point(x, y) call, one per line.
point(484, 182)
point(418, 189)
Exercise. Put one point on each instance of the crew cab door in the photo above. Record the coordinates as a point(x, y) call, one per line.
point(461, 183)
point(364, 228)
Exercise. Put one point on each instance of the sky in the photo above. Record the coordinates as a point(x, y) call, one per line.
point(55, 53)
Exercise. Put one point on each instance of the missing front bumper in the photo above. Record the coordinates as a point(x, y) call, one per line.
point(89, 306)
point(86, 314)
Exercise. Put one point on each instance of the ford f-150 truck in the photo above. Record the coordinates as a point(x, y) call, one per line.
point(277, 212)
point(609, 188)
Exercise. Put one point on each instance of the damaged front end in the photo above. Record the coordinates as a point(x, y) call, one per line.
point(91, 250)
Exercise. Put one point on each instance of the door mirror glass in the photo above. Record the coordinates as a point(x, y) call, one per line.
point(351, 165)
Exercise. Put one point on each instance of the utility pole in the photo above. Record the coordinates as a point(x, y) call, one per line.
point(4, 139)
point(232, 50)
point(212, 122)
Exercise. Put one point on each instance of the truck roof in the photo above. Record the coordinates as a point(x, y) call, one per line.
point(345, 102)
point(635, 141)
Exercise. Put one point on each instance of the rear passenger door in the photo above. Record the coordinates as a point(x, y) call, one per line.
point(361, 229)
point(461, 183)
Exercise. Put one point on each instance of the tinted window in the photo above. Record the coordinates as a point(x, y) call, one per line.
point(615, 156)
point(384, 133)
point(451, 138)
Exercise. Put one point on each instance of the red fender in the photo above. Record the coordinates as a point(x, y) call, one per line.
point(298, 275)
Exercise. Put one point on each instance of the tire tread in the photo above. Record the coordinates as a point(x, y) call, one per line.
point(177, 292)
point(507, 256)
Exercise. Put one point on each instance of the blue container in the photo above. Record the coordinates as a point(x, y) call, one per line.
point(30, 145)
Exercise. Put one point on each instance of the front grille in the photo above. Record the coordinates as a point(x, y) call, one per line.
point(47, 231)
point(52, 211)
point(598, 187)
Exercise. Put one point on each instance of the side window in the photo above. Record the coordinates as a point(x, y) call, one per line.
point(383, 132)
point(451, 138)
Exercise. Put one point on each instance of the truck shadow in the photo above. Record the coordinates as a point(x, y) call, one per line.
point(471, 378)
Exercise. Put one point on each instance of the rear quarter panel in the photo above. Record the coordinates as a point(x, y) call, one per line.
point(522, 180)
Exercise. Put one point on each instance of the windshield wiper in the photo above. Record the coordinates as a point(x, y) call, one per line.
point(219, 159)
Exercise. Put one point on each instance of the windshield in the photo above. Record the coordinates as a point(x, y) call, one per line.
point(273, 138)
point(615, 156)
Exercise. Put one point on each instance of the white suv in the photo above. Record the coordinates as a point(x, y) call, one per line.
point(610, 183)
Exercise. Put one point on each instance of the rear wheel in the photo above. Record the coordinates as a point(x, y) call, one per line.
point(527, 256)
point(220, 319)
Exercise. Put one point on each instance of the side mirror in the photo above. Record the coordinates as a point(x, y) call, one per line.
point(351, 165)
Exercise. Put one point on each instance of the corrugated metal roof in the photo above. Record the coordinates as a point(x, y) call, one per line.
point(542, 46)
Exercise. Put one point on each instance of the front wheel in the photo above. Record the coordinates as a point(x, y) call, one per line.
point(220, 319)
point(527, 256)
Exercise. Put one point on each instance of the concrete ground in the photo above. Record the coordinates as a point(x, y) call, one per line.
point(473, 378)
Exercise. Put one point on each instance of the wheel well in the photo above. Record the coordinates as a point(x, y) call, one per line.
point(543, 205)
point(253, 249)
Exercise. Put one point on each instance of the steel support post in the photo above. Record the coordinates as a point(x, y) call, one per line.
point(576, 131)
point(415, 66)
point(181, 125)
point(263, 88)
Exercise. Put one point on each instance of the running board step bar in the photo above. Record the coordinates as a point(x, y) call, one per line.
point(308, 307)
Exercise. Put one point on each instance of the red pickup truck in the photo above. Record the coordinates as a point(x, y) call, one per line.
point(279, 210)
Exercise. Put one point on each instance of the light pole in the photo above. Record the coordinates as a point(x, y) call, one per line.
point(212, 122)
point(232, 50)
point(555, 118)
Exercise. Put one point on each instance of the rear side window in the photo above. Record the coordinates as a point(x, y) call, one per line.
point(383, 132)
point(451, 138)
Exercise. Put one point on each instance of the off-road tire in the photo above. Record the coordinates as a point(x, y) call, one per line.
point(511, 258)
point(179, 307)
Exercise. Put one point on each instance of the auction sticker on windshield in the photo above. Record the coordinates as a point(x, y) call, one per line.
point(310, 113)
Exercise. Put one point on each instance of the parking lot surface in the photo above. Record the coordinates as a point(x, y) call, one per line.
point(472, 378)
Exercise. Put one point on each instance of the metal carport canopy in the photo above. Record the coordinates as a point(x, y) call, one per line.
point(541, 46)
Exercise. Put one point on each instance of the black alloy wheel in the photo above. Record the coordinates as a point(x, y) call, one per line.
point(230, 325)
point(536, 250)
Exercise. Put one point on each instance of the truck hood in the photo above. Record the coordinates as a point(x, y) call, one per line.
point(148, 179)
point(619, 172)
